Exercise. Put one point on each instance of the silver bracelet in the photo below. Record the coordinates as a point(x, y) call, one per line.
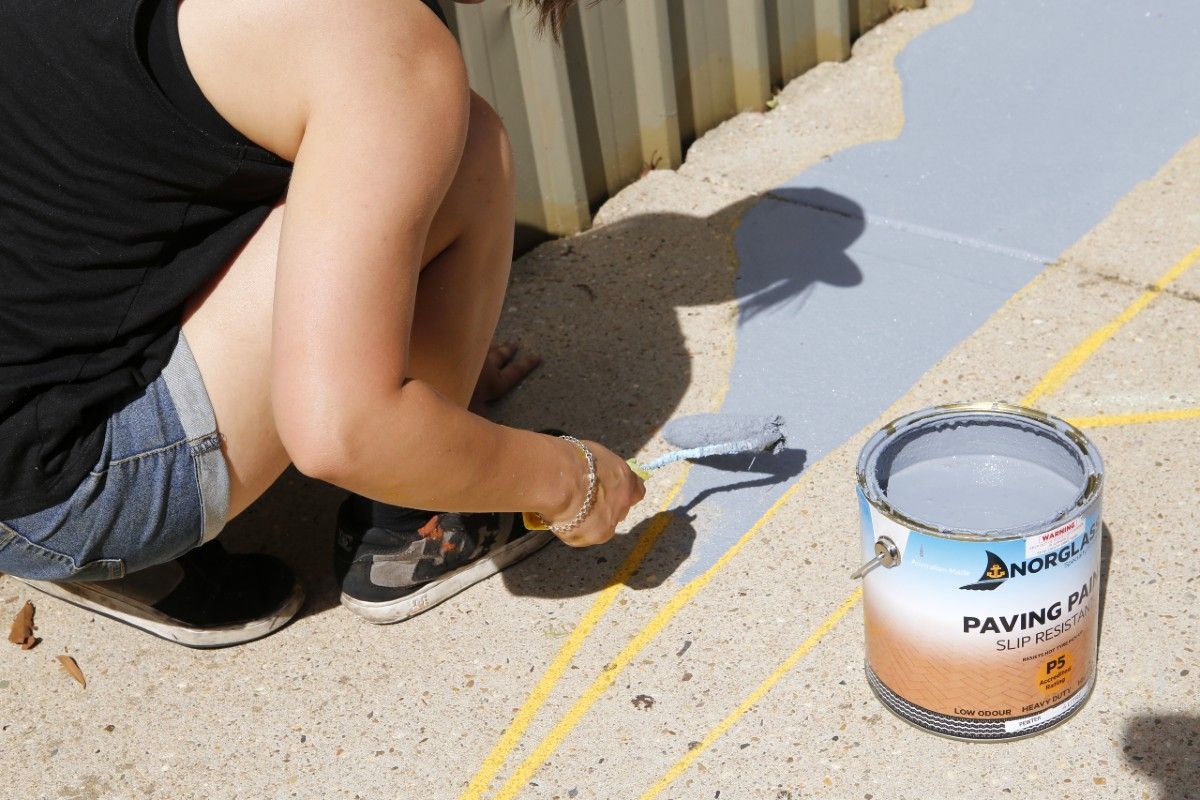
point(588, 501)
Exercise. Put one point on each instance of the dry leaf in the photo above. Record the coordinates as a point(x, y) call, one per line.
point(21, 632)
point(71, 668)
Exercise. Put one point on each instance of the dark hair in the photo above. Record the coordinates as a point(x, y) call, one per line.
point(551, 14)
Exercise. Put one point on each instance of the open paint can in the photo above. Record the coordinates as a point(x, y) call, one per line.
point(981, 531)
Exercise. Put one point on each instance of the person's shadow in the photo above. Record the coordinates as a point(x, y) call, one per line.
point(1166, 747)
point(604, 309)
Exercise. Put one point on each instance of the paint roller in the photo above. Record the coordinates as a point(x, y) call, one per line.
point(706, 435)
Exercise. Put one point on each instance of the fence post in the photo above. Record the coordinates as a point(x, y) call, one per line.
point(749, 54)
point(866, 14)
point(654, 82)
point(833, 29)
point(701, 56)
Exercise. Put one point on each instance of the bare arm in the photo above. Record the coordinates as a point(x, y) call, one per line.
point(369, 99)
point(386, 116)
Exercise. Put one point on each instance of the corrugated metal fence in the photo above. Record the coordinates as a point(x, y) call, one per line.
point(634, 83)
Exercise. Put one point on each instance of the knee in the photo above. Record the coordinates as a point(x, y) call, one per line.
point(487, 155)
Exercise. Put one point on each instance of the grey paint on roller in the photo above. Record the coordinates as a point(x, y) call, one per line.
point(703, 430)
point(709, 435)
point(1025, 123)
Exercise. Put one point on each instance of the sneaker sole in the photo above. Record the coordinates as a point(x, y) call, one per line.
point(94, 597)
point(385, 612)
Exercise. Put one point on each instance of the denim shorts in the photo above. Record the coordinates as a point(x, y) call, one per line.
point(159, 489)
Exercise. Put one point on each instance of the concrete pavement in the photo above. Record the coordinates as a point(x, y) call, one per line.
point(659, 665)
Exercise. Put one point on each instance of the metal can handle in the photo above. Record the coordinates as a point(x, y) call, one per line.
point(886, 553)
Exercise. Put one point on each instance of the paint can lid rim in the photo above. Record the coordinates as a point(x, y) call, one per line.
point(1085, 450)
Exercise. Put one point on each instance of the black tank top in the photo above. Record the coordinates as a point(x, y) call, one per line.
point(115, 208)
point(122, 193)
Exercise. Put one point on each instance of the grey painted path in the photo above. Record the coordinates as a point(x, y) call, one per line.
point(1023, 129)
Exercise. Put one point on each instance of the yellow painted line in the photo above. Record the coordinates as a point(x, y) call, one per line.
point(1056, 377)
point(755, 696)
point(562, 661)
point(1072, 361)
point(541, 692)
point(1062, 371)
point(1137, 418)
point(559, 732)
point(1053, 379)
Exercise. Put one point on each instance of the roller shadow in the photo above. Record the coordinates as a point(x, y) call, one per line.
point(562, 571)
point(604, 308)
point(775, 469)
point(1166, 748)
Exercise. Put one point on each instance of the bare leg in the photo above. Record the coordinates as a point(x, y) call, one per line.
point(470, 250)
point(459, 296)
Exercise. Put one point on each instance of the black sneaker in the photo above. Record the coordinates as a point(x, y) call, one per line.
point(207, 597)
point(393, 563)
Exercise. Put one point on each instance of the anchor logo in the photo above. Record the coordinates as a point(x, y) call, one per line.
point(993, 575)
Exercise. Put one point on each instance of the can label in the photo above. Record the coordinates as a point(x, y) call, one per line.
point(980, 639)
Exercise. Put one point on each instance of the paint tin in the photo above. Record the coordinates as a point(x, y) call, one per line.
point(981, 523)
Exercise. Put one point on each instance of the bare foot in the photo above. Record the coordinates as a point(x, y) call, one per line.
point(503, 369)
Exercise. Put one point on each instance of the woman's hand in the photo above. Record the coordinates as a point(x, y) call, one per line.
point(617, 490)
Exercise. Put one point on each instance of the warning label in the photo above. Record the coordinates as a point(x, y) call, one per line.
point(1052, 540)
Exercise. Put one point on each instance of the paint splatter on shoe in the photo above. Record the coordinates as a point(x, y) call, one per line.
point(393, 563)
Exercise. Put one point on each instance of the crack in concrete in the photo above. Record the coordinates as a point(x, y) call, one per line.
point(1130, 283)
point(724, 186)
